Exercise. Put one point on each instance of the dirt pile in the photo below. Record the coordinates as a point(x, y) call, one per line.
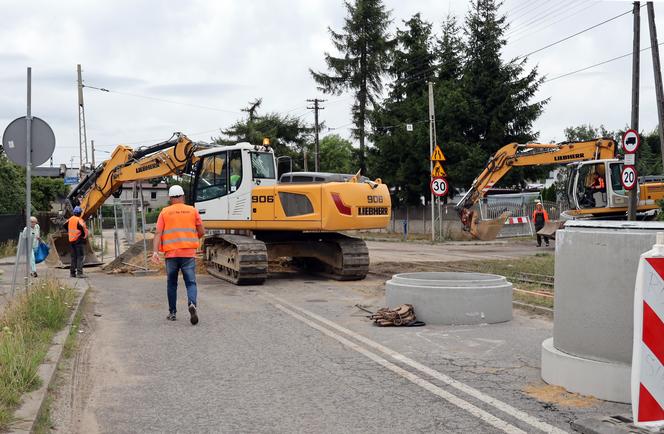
point(132, 256)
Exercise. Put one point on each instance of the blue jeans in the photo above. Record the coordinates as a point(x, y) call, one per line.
point(188, 267)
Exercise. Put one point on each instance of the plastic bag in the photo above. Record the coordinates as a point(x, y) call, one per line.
point(41, 252)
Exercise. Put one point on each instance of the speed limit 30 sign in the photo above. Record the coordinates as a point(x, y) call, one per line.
point(439, 186)
point(628, 177)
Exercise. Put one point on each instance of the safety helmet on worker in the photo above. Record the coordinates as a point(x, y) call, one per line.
point(175, 191)
point(78, 210)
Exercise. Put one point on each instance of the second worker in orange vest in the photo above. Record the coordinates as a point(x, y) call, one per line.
point(78, 234)
point(179, 229)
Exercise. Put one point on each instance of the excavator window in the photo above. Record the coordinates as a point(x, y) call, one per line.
point(616, 172)
point(213, 178)
point(235, 164)
point(262, 165)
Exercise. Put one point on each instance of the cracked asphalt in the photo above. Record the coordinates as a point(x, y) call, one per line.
point(249, 366)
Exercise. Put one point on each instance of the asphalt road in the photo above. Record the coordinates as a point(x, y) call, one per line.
point(295, 355)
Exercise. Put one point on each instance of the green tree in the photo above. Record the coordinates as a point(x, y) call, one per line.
point(336, 155)
point(498, 94)
point(401, 156)
point(364, 46)
point(289, 136)
point(587, 132)
point(45, 191)
point(12, 187)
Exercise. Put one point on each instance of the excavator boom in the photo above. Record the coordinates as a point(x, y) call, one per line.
point(532, 154)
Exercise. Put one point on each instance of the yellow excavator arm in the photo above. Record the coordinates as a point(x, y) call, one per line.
point(532, 154)
point(125, 165)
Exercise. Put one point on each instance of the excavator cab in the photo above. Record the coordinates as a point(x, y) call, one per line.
point(595, 185)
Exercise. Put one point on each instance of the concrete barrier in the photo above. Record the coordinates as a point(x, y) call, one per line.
point(452, 298)
point(595, 274)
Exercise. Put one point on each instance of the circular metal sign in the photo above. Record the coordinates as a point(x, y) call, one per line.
point(439, 186)
point(15, 143)
point(631, 141)
point(628, 177)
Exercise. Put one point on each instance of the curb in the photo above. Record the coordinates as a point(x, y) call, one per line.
point(533, 308)
point(33, 403)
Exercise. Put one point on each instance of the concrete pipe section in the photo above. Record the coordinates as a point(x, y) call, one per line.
point(452, 298)
point(595, 274)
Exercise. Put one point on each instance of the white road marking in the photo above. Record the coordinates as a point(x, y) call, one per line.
point(453, 399)
point(496, 403)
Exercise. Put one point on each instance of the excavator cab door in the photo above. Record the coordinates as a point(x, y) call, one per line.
point(617, 194)
point(211, 180)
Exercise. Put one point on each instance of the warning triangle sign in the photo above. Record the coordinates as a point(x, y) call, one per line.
point(437, 154)
point(438, 171)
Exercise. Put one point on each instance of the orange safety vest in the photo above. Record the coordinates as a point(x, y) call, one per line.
point(179, 228)
point(74, 231)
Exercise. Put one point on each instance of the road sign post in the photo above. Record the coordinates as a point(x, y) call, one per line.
point(28, 141)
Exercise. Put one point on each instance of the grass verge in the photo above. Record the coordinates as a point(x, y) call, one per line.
point(8, 248)
point(28, 325)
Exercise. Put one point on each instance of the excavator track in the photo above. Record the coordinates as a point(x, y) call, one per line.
point(332, 255)
point(238, 259)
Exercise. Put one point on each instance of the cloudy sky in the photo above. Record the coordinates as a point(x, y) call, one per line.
point(191, 66)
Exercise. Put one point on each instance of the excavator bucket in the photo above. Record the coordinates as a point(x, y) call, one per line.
point(60, 254)
point(550, 228)
point(487, 230)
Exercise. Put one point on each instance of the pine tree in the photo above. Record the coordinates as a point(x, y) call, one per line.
point(498, 93)
point(363, 45)
point(400, 157)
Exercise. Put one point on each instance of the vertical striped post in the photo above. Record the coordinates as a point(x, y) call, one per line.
point(648, 350)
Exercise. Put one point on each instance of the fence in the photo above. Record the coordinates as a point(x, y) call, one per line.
point(417, 219)
point(12, 224)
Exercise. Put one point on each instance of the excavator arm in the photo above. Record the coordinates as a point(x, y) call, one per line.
point(532, 154)
point(126, 165)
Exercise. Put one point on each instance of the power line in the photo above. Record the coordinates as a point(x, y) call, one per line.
point(596, 65)
point(163, 100)
point(575, 34)
point(564, 18)
point(546, 14)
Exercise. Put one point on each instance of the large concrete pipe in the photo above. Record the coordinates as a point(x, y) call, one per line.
point(595, 272)
point(451, 297)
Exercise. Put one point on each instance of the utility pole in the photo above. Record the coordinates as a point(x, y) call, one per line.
point(82, 137)
point(316, 108)
point(92, 151)
point(432, 133)
point(636, 50)
point(657, 70)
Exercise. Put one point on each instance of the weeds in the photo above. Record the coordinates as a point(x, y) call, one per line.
point(26, 329)
point(8, 248)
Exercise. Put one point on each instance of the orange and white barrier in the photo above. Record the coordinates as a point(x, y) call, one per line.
point(648, 347)
point(517, 220)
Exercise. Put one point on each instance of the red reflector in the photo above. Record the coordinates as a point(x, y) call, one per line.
point(341, 206)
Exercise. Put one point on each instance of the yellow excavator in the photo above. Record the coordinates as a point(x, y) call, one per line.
point(249, 216)
point(584, 159)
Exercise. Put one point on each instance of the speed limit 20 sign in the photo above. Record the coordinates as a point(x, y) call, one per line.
point(439, 186)
point(628, 177)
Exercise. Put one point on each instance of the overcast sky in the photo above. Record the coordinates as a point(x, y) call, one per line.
point(215, 56)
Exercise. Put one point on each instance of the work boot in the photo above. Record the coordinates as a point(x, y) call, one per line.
point(194, 314)
point(171, 316)
point(81, 276)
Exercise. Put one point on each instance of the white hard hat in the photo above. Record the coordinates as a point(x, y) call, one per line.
point(175, 191)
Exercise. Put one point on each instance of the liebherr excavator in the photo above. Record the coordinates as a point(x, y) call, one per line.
point(584, 159)
point(248, 216)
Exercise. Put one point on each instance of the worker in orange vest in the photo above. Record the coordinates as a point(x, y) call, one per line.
point(540, 217)
point(179, 228)
point(78, 234)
